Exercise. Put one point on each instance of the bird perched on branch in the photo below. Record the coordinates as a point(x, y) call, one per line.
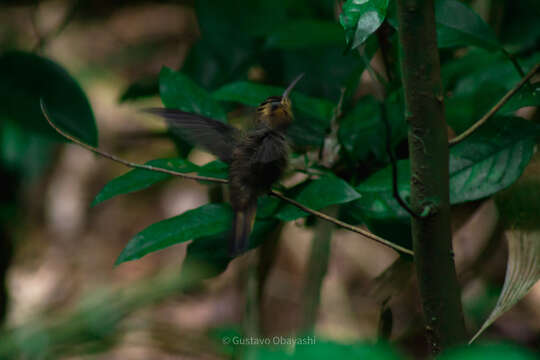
point(256, 158)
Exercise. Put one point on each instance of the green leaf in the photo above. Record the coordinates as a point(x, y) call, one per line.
point(212, 252)
point(305, 33)
point(488, 161)
point(362, 132)
point(459, 25)
point(361, 18)
point(492, 159)
point(139, 179)
point(209, 219)
point(522, 272)
point(179, 92)
point(27, 78)
point(309, 348)
point(318, 194)
point(488, 351)
point(216, 169)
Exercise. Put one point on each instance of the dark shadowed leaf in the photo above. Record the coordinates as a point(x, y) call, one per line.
point(318, 194)
point(305, 33)
point(209, 219)
point(139, 179)
point(459, 25)
point(492, 159)
point(179, 92)
point(485, 163)
point(27, 78)
point(362, 132)
point(522, 272)
point(360, 18)
point(212, 252)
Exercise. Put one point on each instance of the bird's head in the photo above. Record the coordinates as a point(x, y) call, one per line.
point(276, 111)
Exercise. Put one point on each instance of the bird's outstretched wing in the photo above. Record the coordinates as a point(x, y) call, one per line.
point(216, 137)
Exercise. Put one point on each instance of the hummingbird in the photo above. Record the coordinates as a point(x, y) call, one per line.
point(257, 157)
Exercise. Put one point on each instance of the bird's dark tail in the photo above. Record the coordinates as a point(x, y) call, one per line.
point(242, 225)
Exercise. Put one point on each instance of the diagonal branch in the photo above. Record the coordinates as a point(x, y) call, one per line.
point(495, 108)
point(275, 193)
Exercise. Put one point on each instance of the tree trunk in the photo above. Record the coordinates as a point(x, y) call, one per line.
point(428, 147)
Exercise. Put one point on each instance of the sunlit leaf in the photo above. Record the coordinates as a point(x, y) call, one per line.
point(522, 272)
point(318, 194)
point(139, 179)
point(360, 18)
point(27, 78)
point(209, 219)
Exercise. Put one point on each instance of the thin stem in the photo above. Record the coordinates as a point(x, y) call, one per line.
point(275, 193)
point(344, 225)
point(495, 108)
point(122, 161)
point(393, 162)
point(514, 61)
point(44, 39)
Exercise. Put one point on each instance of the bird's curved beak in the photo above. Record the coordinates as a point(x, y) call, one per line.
point(291, 86)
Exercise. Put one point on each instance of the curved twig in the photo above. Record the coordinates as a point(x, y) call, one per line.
point(495, 108)
point(120, 160)
point(275, 193)
point(344, 225)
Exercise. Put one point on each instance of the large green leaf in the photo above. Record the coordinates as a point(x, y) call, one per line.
point(180, 92)
point(318, 194)
point(139, 179)
point(361, 18)
point(493, 159)
point(209, 219)
point(522, 272)
point(212, 252)
point(488, 161)
point(458, 25)
point(305, 33)
point(27, 78)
